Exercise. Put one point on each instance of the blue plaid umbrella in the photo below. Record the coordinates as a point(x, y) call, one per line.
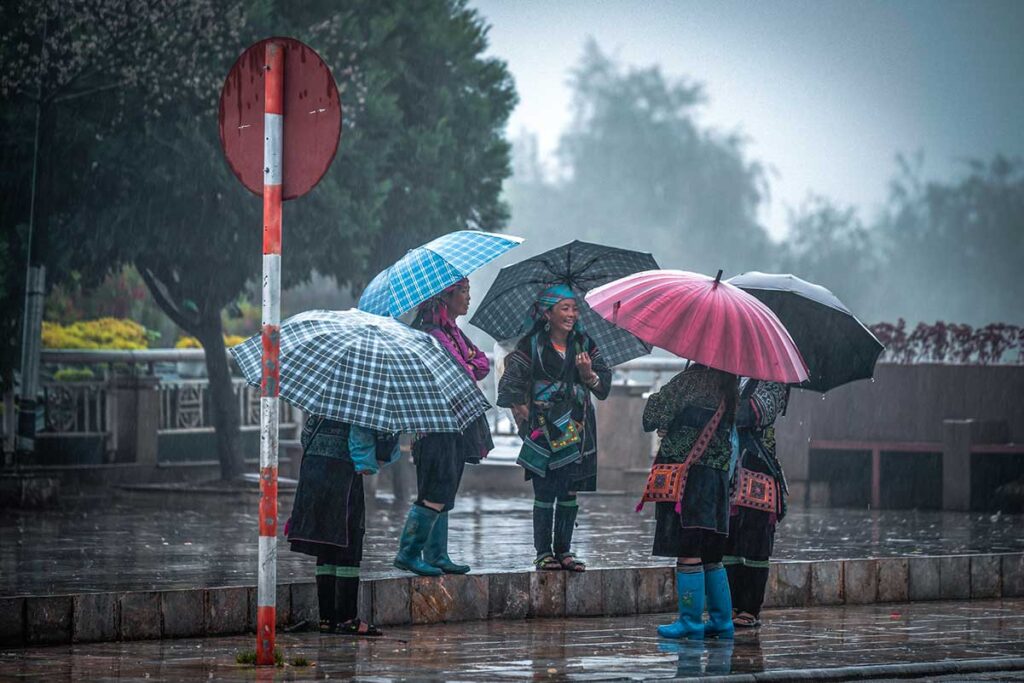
point(370, 371)
point(430, 269)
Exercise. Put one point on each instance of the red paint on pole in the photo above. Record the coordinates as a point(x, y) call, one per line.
point(272, 219)
point(268, 501)
point(270, 382)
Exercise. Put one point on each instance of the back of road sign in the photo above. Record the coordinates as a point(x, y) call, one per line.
point(312, 117)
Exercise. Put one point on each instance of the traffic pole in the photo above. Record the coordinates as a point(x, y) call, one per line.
point(273, 120)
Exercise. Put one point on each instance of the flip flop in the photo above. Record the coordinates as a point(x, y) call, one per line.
point(353, 627)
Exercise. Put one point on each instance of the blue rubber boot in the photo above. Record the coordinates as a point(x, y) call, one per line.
point(435, 552)
point(414, 536)
point(690, 589)
point(716, 584)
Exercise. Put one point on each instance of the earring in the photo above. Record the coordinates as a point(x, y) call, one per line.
point(547, 327)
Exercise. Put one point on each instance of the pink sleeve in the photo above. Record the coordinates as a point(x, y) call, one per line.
point(449, 346)
point(480, 365)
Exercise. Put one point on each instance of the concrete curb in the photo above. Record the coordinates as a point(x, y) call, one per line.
point(873, 671)
point(135, 615)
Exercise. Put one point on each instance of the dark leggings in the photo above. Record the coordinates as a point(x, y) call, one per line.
point(747, 585)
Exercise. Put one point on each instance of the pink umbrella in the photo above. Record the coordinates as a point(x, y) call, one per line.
point(702, 319)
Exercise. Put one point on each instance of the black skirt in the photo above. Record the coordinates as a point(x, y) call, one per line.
point(440, 460)
point(705, 506)
point(329, 514)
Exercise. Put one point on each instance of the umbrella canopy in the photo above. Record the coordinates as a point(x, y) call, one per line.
point(369, 371)
point(430, 269)
point(505, 312)
point(836, 346)
point(702, 319)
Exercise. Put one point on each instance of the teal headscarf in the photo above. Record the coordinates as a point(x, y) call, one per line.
point(552, 295)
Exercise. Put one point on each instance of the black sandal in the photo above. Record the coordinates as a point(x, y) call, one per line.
point(571, 564)
point(548, 563)
point(354, 627)
point(744, 620)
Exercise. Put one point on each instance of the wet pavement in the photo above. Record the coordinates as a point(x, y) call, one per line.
point(823, 641)
point(150, 541)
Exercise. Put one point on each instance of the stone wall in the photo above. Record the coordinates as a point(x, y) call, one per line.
point(88, 617)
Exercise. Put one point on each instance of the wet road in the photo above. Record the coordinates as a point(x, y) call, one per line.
point(149, 541)
point(601, 648)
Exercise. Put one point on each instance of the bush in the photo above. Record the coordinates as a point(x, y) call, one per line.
point(193, 343)
point(105, 333)
point(950, 343)
point(74, 375)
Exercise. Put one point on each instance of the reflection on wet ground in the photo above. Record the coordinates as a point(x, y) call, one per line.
point(143, 542)
point(599, 648)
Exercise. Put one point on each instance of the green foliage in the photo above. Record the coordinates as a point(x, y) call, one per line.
point(640, 171)
point(248, 658)
point(299, 661)
point(77, 374)
point(105, 333)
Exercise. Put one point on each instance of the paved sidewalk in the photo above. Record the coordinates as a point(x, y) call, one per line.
point(157, 542)
point(839, 643)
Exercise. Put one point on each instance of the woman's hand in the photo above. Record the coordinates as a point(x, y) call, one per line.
point(520, 413)
point(585, 367)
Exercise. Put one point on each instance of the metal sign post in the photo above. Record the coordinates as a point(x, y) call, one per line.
point(298, 101)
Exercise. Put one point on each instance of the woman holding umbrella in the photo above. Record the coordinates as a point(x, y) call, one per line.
point(759, 498)
point(440, 457)
point(548, 383)
point(727, 333)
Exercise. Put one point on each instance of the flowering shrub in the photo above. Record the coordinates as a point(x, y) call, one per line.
point(950, 343)
point(193, 343)
point(105, 333)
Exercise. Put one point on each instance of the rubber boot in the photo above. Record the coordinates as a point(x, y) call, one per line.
point(716, 584)
point(435, 552)
point(690, 589)
point(414, 537)
point(543, 516)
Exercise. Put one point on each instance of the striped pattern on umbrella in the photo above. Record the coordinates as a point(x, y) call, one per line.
point(369, 371)
point(426, 271)
point(505, 312)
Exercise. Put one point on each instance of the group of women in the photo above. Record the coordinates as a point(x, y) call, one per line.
point(718, 486)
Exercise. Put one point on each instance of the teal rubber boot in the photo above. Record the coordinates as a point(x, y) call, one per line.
point(690, 589)
point(716, 584)
point(414, 536)
point(435, 552)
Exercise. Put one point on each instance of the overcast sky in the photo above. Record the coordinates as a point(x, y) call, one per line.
point(827, 92)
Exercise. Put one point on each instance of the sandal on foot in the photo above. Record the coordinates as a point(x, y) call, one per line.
point(357, 627)
point(548, 563)
point(744, 620)
point(571, 564)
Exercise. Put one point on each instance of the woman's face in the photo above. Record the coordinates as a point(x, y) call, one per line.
point(563, 315)
point(457, 300)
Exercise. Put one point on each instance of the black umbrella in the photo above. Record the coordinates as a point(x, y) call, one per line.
point(837, 347)
point(505, 312)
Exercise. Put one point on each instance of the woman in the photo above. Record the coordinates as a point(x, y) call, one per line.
point(329, 515)
point(759, 500)
point(548, 383)
point(694, 413)
point(441, 457)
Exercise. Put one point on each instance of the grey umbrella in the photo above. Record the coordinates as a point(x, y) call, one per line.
point(836, 346)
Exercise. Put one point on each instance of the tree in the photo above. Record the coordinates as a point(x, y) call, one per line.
point(829, 245)
point(422, 153)
point(955, 249)
point(639, 170)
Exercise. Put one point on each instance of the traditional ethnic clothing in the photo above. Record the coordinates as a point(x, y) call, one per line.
point(441, 457)
point(559, 453)
point(753, 521)
point(696, 526)
point(328, 517)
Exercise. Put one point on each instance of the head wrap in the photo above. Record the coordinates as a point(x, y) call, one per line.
point(434, 311)
point(552, 295)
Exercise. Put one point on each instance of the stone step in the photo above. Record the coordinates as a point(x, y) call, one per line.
point(136, 615)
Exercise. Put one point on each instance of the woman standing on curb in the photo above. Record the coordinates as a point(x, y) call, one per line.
point(694, 414)
point(441, 457)
point(329, 515)
point(759, 500)
point(548, 383)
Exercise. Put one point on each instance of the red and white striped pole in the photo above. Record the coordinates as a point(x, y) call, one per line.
point(273, 125)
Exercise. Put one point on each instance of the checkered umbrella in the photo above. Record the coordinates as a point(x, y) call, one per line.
point(430, 269)
point(505, 312)
point(370, 371)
